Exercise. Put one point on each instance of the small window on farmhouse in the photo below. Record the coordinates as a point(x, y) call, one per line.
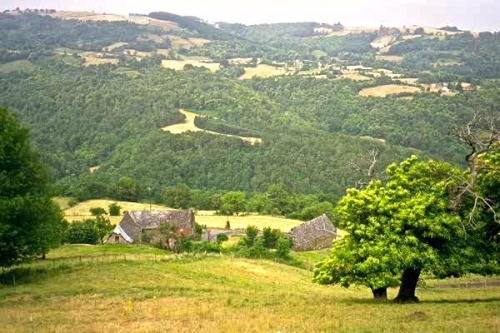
point(117, 239)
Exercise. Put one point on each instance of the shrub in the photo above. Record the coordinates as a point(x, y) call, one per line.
point(114, 209)
point(283, 247)
point(221, 238)
point(228, 225)
point(97, 211)
point(83, 232)
point(250, 236)
point(204, 246)
point(270, 237)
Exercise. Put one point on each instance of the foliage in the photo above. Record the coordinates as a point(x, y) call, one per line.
point(97, 211)
point(221, 238)
point(114, 209)
point(403, 224)
point(283, 246)
point(177, 196)
point(232, 203)
point(250, 236)
point(83, 232)
point(270, 237)
point(89, 231)
point(30, 222)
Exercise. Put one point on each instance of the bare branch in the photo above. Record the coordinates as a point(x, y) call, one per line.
point(481, 133)
point(370, 172)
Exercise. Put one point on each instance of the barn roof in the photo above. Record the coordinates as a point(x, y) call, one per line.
point(153, 219)
point(134, 222)
point(317, 233)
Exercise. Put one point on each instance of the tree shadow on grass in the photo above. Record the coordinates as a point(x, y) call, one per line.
point(460, 301)
point(25, 275)
point(422, 301)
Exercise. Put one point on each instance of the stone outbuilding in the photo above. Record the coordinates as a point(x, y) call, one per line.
point(144, 226)
point(316, 234)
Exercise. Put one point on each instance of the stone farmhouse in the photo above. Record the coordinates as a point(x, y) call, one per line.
point(144, 226)
point(316, 234)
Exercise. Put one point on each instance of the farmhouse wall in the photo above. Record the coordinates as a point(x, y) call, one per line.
point(115, 238)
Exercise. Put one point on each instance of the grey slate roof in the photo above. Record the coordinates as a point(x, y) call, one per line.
point(134, 222)
point(315, 234)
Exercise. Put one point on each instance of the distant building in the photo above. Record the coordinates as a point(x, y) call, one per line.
point(144, 226)
point(316, 234)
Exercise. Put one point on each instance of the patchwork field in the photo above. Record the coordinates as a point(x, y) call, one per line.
point(388, 89)
point(82, 211)
point(241, 222)
point(355, 77)
point(262, 70)
point(178, 65)
point(187, 43)
point(94, 60)
point(114, 46)
point(216, 294)
point(88, 16)
point(188, 125)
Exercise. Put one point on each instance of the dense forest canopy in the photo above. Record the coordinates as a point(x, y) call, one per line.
point(96, 94)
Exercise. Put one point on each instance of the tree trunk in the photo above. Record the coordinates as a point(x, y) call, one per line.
point(380, 293)
point(409, 281)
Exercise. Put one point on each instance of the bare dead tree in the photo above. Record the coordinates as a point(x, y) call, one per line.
point(368, 173)
point(481, 134)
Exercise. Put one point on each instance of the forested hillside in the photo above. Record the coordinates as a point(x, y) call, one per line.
point(97, 94)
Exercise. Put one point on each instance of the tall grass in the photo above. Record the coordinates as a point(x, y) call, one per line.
point(221, 294)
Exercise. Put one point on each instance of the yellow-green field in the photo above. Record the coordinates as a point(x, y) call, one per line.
point(388, 89)
point(178, 65)
point(188, 125)
point(241, 222)
point(94, 58)
point(218, 294)
point(114, 46)
point(88, 16)
point(355, 77)
point(262, 70)
point(187, 43)
point(82, 211)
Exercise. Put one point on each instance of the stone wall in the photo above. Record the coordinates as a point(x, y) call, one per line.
point(316, 234)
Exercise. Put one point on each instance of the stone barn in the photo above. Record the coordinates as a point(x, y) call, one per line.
point(316, 234)
point(144, 226)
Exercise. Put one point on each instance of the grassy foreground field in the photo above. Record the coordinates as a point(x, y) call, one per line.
point(221, 294)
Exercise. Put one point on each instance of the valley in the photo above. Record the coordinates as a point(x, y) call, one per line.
point(256, 129)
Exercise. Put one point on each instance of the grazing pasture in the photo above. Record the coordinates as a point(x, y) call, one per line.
point(196, 293)
point(388, 89)
point(188, 125)
point(81, 211)
point(187, 43)
point(355, 77)
point(88, 16)
point(262, 70)
point(178, 65)
point(211, 220)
